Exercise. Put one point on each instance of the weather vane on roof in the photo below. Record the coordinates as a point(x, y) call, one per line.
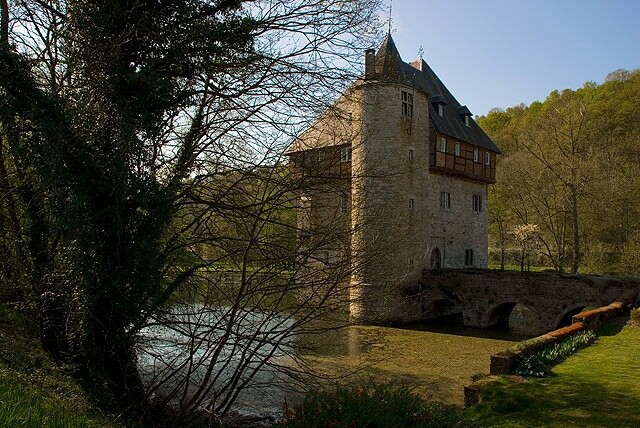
point(420, 52)
point(390, 10)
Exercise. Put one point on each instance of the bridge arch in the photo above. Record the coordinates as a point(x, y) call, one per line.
point(515, 317)
point(440, 307)
point(565, 318)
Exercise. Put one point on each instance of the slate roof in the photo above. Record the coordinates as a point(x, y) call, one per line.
point(418, 74)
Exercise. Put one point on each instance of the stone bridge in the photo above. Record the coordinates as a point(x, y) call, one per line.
point(529, 303)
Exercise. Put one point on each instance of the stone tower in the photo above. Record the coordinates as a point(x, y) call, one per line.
point(388, 184)
point(414, 168)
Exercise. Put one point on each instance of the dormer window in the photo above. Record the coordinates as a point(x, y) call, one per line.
point(466, 114)
point(438, 103)
point(407, 104)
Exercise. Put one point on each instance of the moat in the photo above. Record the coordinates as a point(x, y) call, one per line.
point(437, 357)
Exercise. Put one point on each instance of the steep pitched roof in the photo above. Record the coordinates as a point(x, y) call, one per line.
point(388, 63)
point(418, 74)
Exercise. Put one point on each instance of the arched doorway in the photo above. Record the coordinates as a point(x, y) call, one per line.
point(436, 259)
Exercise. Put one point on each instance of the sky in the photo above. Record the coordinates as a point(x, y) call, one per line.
point(500, 53)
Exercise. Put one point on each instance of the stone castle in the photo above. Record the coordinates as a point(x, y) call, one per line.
point(396, 176)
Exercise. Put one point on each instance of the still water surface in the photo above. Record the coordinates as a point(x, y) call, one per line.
point(435, 358)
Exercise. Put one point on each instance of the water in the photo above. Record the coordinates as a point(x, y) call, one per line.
point(228, 349)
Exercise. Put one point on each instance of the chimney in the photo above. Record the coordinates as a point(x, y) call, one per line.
point(369, 64)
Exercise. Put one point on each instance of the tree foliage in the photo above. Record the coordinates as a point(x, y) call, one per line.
point(141, 149)
point(570, 165)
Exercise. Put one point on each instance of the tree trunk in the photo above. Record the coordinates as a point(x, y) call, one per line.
point(111, 355)
point(4, 24)
point(575, 262)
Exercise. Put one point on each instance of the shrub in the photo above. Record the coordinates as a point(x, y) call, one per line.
point(539, 363)
point(372, 405)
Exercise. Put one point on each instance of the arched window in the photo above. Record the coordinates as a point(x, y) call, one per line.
point(436, 259)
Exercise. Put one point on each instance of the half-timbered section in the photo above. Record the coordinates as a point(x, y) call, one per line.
point(399, 168)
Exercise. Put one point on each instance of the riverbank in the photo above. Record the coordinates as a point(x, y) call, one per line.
point(595, 388)
point(35, 392)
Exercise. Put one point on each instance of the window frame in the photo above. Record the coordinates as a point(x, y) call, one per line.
point(443, 144)
point(407, 104)
point(344, 205)
point(487, 158)
point(468, 257)
point(477, 203)
point(476, 155)
point(445, 200)
point(345, 154)
point(457, 148)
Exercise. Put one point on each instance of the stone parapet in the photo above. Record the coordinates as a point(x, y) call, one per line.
point(505, 362)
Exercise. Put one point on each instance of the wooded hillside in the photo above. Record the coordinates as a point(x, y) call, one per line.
point(568, 180)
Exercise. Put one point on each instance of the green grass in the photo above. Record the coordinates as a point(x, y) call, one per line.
point(34, 391)
point(517, 268)
point(597, 387)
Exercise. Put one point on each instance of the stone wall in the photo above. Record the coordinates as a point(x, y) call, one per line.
point(505, 362)
point(389, 169)
point(458, 228)
point(544, 299)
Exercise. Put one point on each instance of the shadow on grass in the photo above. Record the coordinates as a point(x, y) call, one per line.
point(549, 402)
point(613, 328)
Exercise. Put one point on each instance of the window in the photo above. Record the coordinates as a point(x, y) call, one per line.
point(344, 205)
point(440, 110)
point(466, 120)
point(476, 155)
point(412, 204)
point(407, 104)
point(411, 263)
point(410, 155)
point(445, 200)
point(487, 158)
point(468, 257)
point(443, 144)
point(477, 203)
point(457, 148)
point(345, 154)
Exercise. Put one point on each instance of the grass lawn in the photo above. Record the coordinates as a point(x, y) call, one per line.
point(597, 387)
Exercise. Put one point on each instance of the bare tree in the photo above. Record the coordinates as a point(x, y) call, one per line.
point(151, 138)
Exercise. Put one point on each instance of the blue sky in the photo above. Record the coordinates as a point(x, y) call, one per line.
point(499, 53)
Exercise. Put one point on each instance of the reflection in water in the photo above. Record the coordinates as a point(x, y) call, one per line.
point(441, 355)
point(453, 325)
